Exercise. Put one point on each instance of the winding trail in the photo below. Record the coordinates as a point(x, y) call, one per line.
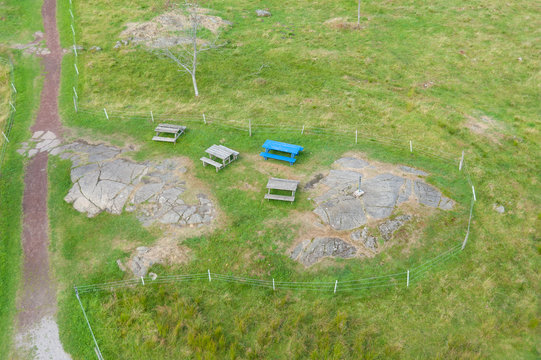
point(37, 332)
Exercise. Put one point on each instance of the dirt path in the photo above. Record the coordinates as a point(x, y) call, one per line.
point(37, 333)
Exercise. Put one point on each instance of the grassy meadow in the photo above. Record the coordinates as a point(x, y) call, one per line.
point(26, 71)
point(5, 93)
point(449, 76)
point(18, 21)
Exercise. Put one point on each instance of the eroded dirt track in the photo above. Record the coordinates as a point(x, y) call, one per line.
point(37, 333)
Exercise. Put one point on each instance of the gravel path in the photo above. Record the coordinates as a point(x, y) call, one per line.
point(37, 333)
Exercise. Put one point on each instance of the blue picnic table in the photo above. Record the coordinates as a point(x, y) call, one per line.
point(292, 150)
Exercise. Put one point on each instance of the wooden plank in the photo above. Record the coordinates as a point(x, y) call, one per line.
point(282, 184)
point(236, 153)
point(279, 197)
point(161, 138)
point(266, 155)
point(217, 165)
point(170, 129)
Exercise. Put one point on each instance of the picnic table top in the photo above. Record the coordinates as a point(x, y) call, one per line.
point(221, 151)
point(284, 147)
point(282, 184)
point(169, 128)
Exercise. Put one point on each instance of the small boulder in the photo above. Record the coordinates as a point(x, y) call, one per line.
point(499, 208)
point(263, 13)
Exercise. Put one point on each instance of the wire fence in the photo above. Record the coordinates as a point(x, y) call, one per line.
point(11, 109)
point(403, 278)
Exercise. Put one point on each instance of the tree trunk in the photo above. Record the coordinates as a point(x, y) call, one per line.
point(195, 85)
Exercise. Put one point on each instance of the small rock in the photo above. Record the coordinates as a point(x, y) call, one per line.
point(499, 208)
point(371, 243)
point(32, 152)
point(153, 276)
point(118, 44)
point(263, 13)
point(388, 228)
point(95, 48)
point(356, 235)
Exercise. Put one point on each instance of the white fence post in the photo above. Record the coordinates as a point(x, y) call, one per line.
point(302, 131)
point(356, 134)
point(473, 191)
point(13, 86)
point(335, 285)
point(204, 118)
point(273, 288)
point(5, 137)
point(210, 279)
point(71, 13)
point(72, 29)
point(142, 280)
point(75, 103)
point(76, 69)
point(408, 279)
point(250, 127)
point(75, 49)
point(461, 161)
point(105, 111)
point(13, 107)
point(411, 147)
point(75, 92)
point(151, 115)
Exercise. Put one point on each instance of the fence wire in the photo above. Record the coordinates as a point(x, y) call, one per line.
point(11, 109)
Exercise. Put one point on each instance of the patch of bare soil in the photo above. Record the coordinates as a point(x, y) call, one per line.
point(165, 251)
point(163, 31)
point(340, 23)
point(485, 126)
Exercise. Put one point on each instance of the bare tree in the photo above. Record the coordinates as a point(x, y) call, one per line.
point(186, 54)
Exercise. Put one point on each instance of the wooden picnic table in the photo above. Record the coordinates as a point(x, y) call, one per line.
point(284, 185)
point(225, 154)
point(176, 130)
point(291, 149)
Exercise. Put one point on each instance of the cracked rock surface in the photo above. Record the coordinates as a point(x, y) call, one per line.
point(383, 192)
point(309, 252)
point(103, 180)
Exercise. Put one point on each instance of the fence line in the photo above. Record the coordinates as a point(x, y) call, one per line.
point(6, 132)
point(404, 278)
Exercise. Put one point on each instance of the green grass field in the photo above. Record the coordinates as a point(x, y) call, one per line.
point(446, 75)
point(18, 21)
point(11, 190)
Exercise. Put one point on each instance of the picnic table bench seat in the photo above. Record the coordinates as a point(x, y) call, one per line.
point(267, 155)
point(279, 197)
point(216, 164)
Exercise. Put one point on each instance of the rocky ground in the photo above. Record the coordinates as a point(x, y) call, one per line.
point(104, 180)
point(369, 216)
